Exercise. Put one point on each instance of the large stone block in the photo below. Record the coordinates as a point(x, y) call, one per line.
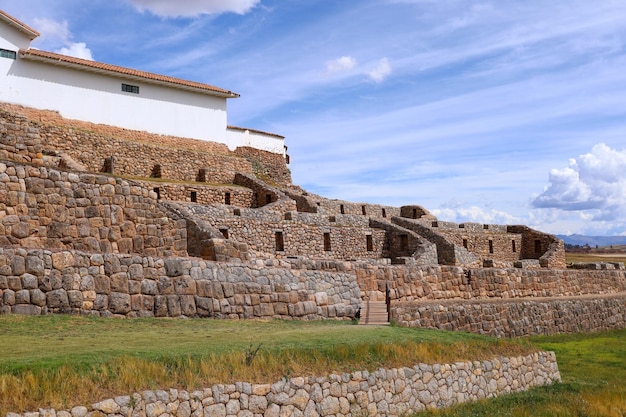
point(57, 299)
point(184, 285)
point(26, 309)
point(35, 265)
point(61, 260)
point(119, 282)
point(188, 305)
point(119, 303)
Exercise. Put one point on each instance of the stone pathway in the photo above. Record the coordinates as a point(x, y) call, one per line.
point(374, 312)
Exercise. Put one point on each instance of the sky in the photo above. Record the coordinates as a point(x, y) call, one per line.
point(494, 111)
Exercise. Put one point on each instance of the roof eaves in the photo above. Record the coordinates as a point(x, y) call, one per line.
point(99, 67)
point(32, 33)
point(243, 129)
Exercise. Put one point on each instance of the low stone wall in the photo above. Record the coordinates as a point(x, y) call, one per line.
point(39, 282)
point(204, 194)
point(47, 208)
point(421, 283)
point(385, 392)
point(312, 203)
point(440, 282)
point(515, 318)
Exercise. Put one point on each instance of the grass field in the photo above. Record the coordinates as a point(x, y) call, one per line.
point(594, 257)
point(61, 361)
point(593, 369)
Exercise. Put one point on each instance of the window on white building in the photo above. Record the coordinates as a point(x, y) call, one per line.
point(127, 88)
point(4, 53)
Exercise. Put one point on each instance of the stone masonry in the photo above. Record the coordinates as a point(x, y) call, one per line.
point(47, 208)
point(384, 392)
point(39, 281)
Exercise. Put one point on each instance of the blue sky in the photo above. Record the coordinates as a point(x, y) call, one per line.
point(500, 111)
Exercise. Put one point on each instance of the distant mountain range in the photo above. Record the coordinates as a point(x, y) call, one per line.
point(592, 240)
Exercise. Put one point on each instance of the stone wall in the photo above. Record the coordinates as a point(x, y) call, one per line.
point(18, 141)
point(312, 203)
point(515, 318)
point(537, 245)
point(40, 282)
point(46, 208)
point(420, 283)
point(297, 234)
point(385, 392)
point(447, 252)
point(202, 194)
point(405, 246)
point(138, 159)
point(266, 165)
point(489, 242)
point(137, 153)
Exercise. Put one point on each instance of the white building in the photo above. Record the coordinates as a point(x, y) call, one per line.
point(117, 96)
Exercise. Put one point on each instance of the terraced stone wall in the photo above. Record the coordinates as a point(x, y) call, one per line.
point(135, 153)
point(311, 203)
point(515, 318)
point(487, 241)
point(40, 282)
point(294, 234)
point(201, 194)
point(420, 283)
point(19, 142)
point(384, 392)
point(266, 165)
point(47, 208)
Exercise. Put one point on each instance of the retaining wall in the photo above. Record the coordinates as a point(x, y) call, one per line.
point(516, 318)
point(135, 153)
point(19, 142)
point(204, 194)
point(47, 208)
point(297, 234)
point(437, 282)
point(39, 282)
point(385, 392)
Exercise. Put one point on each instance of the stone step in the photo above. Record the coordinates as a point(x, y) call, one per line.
point(374, 312)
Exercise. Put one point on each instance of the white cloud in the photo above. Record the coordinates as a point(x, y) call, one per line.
point(345, 63)
point(593, 182)
point(57, 36)
point(381, 71)
point(53, 31)
point(77, 50)
point(187, 8)
point(475, 214)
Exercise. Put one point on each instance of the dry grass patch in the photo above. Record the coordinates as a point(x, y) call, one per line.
point(62, 361)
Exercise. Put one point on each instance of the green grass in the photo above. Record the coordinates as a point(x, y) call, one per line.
point(593, 370)
point(60, 361)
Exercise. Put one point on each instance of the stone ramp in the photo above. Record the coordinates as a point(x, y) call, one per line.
point(374, 312)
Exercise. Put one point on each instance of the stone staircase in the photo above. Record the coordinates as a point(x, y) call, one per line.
point(374, 313)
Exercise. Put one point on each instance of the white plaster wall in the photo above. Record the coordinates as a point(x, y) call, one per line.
point(98, 98)
point(256, 140)
point(12, 39)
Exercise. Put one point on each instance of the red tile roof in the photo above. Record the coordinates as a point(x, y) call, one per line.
point(86, 65)
point(32, 33)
